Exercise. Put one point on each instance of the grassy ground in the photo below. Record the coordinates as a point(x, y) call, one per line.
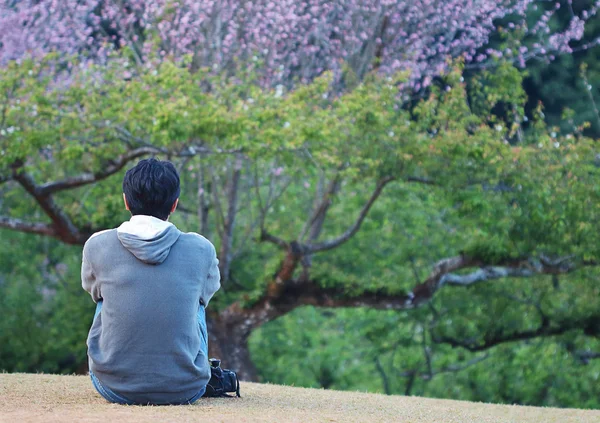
point(50, 398)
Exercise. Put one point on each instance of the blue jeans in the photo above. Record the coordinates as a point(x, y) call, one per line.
point(112, 396)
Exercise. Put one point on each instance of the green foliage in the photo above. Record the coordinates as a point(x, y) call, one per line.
point(498, 192)
point(46, 314)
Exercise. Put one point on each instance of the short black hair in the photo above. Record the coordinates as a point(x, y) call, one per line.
point(151, 188)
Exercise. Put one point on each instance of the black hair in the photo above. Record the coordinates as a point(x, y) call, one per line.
point(151, 188)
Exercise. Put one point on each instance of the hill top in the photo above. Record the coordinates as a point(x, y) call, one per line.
point(53, 398)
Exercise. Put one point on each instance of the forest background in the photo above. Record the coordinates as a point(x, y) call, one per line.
point(402, 194)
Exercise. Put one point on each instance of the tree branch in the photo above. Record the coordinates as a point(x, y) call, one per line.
point(260, 221)
point(384, 376)
point(452, 368)
point(28, 227)
point(229, 223)
point(442, 275)
point(194, 150)
point(88, 178)
point(265, 236)
point(420, 180)
point(330, 244)
point(203, 207)
point(183, 209)
point(285, 294)
point(66, 231)
point(315, 222)
point(118, 163)
point(545, 329)
point(487, 273)
point(220, 217)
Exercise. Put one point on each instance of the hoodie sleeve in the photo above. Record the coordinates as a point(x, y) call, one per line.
point(213, 278)
point(88, 278)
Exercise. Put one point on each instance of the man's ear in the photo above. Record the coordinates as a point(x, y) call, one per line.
point(174, 205)
point(125, 201)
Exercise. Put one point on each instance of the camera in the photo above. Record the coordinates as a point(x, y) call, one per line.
point(221, 381)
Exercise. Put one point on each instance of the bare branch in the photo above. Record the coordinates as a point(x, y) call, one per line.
point(328, 245)
point(589, 92)
point(271, 197)
point(66, 231)
point(545, 329)
point(452, 368)
point(461, 366)
point(183, 209)
point(217, 202)
point(284, 294)
point(265, 236)
point(410, 384)
point(442, 275)
point(260, 220)
point(128, 138)
point(384, 376)
point(88, 178)
point(427, 354)
point(524, 270)
point(191, 150)
point(420, 180)
point(229, 223)
point(317, 218)
point(203, 207)
point(118, 163)
point(196, 149)
point(262, 209)
point(28, 227)
point(485, 274)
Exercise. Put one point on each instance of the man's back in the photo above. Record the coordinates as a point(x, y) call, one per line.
point(146, 342)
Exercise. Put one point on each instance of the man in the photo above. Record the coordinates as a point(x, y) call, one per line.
point(148, 342)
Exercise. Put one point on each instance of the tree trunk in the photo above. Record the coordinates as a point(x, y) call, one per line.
point(230, 344)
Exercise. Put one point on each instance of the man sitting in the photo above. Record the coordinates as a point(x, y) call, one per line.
point(148, 343)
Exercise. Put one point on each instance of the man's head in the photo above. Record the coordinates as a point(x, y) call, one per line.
point(151, 188)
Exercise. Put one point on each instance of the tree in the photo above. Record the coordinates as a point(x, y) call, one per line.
point(569, 87)
point(568, 92)
point(65, 149)
point(294, 40)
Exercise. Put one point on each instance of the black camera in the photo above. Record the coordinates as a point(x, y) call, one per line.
point(221, 381)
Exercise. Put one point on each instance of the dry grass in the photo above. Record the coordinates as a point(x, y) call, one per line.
point(51, 398)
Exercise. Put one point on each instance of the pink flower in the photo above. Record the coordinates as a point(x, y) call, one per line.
point(297, 40)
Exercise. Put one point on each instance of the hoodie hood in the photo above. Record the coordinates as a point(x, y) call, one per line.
point(148, 238)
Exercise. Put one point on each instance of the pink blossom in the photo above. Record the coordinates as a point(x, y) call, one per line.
point(297, 40)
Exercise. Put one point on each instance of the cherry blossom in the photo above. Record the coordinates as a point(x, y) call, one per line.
point(289, 39)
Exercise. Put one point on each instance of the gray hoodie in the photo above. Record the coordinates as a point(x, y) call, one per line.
point(151, 278)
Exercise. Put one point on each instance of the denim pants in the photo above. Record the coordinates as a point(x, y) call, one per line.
point(112, 396)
